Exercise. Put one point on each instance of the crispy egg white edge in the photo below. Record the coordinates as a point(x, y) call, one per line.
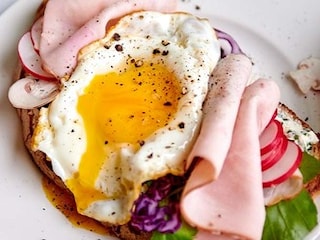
point(61, 132)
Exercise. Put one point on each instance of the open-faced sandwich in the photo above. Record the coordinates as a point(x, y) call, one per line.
point(133, 109)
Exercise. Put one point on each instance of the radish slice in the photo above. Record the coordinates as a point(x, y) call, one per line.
point(35, 33)
point(270, 137)
point(285, 190)
point(30, 93)
point(30, 59)
point(284, 168)
point(273, 156)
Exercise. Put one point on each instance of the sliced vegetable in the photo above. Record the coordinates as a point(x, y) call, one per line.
point(270, 137)
point(285, 167)
point(272, 157)
point(231, 47)
point(30, 59)
point(30, 93)
point(35, 32)
point(285, 190)
point(157, 209)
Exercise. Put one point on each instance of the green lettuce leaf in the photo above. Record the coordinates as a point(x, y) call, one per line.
point(185, 232)
point(291, 219)
point(309, 167)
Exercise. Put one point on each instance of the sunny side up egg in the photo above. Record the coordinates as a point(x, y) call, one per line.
point(130, 111)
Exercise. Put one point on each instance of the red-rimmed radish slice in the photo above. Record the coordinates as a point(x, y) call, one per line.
point(30, 59)
point(35, 33)
point(284, 168)
point(285, 190)
point(274, 115)
point(272, 157)
point(30, 93)
point(269, 138)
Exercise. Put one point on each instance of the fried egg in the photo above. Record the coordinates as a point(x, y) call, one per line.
point(130, 111)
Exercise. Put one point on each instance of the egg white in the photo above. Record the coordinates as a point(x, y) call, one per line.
point(188, 48)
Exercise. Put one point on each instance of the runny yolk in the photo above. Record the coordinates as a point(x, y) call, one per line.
point(116, 108)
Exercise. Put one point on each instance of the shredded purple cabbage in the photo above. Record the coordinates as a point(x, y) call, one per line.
point(233, 46)
point(157, 209)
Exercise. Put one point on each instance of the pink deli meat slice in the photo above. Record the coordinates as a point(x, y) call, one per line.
point(233, 205)
point(226, 86)
point(70, 25)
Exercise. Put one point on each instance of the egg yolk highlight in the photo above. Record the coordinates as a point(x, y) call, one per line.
point(117, 108)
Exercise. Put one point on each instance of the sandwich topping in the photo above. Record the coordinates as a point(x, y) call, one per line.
point(296, 132)
point(130, 111)
point(149, 122)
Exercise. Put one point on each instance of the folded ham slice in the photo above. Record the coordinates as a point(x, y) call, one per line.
point(70, 25)
point(233, 205)
point(226, 86)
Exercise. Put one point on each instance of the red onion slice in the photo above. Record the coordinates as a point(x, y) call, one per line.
point(233, 45)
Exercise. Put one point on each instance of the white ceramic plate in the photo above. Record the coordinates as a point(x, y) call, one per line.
point(275, 34)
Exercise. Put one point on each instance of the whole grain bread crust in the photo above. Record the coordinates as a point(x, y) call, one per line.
point(312, 186)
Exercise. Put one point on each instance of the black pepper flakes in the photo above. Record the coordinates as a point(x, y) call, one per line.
point(116, 37)
point(156, 51)
point(141, 142)
point(138, 63)
point(165, 53)
point(167, 104)
point(181, 125)
point(150, 155)
point(119, 48)
point(165, 42)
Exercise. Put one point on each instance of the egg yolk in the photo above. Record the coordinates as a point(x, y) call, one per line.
point(117, 108)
